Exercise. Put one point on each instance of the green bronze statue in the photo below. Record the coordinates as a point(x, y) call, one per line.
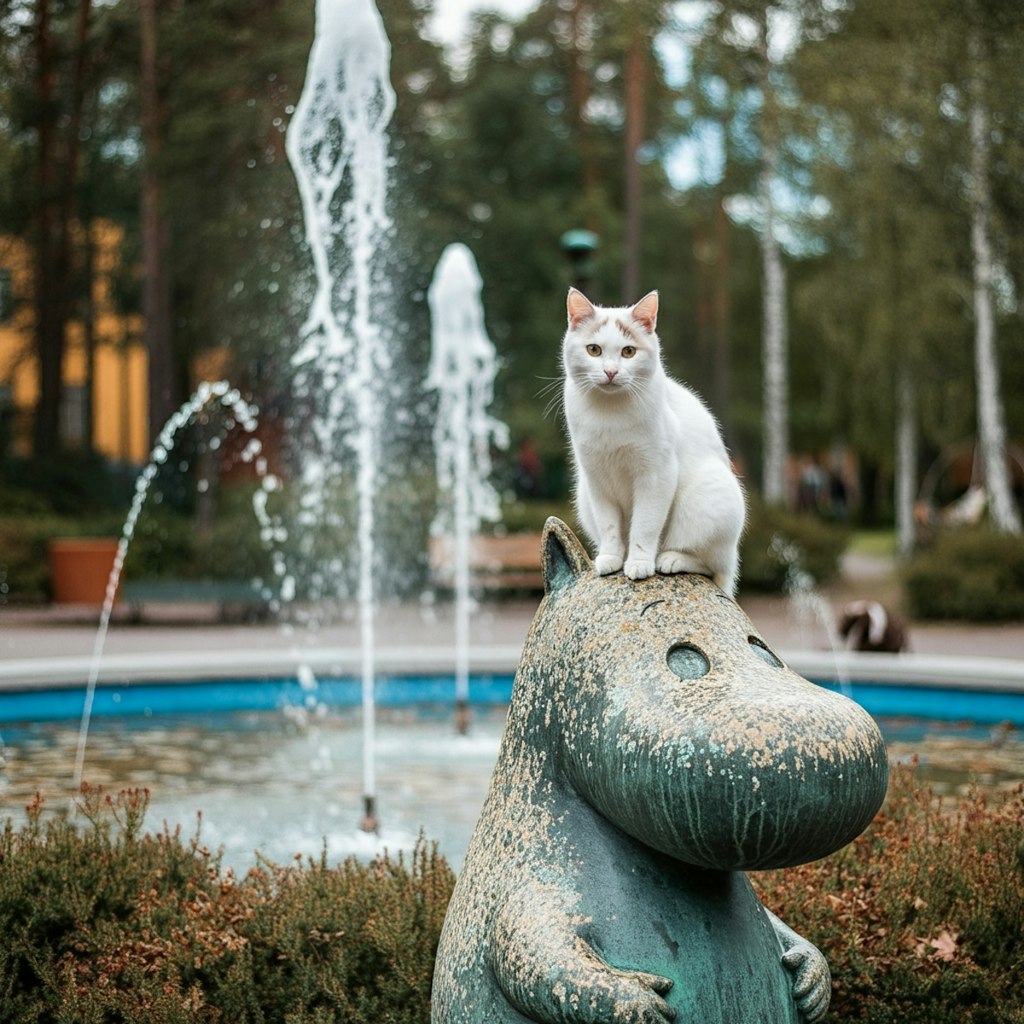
point(655, 750)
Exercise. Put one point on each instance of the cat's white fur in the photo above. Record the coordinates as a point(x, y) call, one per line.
point(654, 487)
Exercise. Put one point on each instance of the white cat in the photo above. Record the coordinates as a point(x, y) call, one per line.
point(654, 488)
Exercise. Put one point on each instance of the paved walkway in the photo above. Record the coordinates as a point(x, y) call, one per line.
point(425, 631)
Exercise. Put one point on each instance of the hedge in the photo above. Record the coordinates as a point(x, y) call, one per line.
point(921, 920)
point(971, 574)
point(780, 547)
point(113, 924)
point(922, 917)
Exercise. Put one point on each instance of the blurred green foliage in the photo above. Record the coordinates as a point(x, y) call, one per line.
point(967, 573)
point(779, 545)
point(519, 138)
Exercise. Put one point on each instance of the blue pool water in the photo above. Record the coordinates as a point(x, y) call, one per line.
point(204, 696)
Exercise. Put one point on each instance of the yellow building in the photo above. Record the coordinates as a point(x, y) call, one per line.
point(119, 363)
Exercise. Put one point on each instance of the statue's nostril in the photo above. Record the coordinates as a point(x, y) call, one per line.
point(687, 662)
point(763, 653)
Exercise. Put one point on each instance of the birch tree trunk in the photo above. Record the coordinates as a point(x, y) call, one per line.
point(991, 422)
point(906, 461)
point(635, 87)
point(775, 414)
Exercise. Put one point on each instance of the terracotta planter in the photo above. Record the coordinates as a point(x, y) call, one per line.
point(80, 568)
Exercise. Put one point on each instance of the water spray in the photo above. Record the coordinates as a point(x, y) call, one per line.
point(463, 364)
point(337, 146)
point(245, 416)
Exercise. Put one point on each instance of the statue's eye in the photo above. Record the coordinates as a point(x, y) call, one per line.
point(763, 653)
point(594, 350)
point(629, 351)
point(687, 662)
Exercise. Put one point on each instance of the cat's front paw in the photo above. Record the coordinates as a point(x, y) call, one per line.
point(672, 562)
point(639, 568)
point(605, 565)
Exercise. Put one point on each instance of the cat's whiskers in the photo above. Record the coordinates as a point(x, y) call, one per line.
point(555, 387)
point(553, 384)
point(637, 387)
point(555, 405)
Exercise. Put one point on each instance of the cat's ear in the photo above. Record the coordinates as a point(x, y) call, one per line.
point(579, 307)
point(563, 558)
point(645, 312)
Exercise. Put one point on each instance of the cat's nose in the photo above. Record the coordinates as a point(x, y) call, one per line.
point(610, 374)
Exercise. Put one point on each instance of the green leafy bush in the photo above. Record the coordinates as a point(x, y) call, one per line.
point(922, 917)
point(111, 924)
point(163, 545)
point(779, 544)
point(65, 485)
point(973, 574)
point(519, 515)
point(166, 544)
point(24, 555)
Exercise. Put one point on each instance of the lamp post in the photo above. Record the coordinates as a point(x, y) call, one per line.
point(579, 247)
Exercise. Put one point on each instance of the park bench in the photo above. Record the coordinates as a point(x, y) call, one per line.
point(497, 564)
point(234, 600)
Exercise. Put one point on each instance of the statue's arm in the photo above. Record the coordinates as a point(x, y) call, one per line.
point(812, 981)
point(552, 975)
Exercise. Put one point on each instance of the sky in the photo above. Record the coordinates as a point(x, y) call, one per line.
point(451, 17)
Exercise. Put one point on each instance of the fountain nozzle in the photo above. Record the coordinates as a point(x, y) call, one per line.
point(370, 822)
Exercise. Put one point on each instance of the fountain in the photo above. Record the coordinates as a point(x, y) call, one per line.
point(245, 416)
point(337, 147)
point(462, 368)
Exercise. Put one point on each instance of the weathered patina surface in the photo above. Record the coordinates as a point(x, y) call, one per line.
point(655, 749)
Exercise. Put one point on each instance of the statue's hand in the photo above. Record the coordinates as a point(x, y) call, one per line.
point(552, 974)
point(634, 997)
point(812, 982)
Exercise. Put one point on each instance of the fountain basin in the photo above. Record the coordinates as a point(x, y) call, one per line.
point(215, 696)
point(946, 688)
point(273, 765)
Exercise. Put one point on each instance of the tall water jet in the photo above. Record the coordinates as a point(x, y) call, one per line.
point(337, 147)
point(463, 364)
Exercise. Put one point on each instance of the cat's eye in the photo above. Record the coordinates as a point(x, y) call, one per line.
point(762, 652)
point(594, 350)
point(687, 662)
point(629, 351)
